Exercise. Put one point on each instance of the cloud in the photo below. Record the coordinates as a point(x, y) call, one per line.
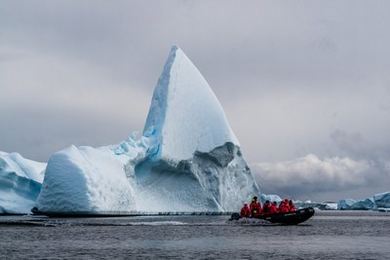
point(309, 176)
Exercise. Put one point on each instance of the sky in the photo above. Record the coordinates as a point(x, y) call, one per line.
point(305, 84)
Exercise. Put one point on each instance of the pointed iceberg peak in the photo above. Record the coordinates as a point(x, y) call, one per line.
point(174, 48)
point(185, 115)
point(171, 58)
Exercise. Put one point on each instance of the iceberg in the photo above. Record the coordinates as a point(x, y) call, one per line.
point(350, 204)
point(187, 159)
point(379, 202)
point(20, 183)
point(365, 204)
point(382, 200)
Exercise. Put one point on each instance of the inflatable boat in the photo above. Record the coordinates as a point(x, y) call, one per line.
point(290, 218)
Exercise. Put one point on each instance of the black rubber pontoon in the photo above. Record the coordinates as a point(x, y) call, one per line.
point(291, 218)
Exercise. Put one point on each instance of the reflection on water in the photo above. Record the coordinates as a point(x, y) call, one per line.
point(329, 235)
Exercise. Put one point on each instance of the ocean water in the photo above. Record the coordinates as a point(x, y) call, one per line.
point(328, 235)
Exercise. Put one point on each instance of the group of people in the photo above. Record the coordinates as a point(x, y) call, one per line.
point(256, 210)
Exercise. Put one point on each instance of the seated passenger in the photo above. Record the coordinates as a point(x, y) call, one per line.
point(283, 206)
point(245, 211)
point(273, 208)
point(255, 207)
point(267, 207)
point(291, 206)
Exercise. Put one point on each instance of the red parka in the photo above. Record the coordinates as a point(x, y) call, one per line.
point(273, 209)
point(245, 211)
point(267, 208)
point(283, 207)
point(291, 206)
point(255, 208)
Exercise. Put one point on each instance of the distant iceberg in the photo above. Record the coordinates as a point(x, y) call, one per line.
point(382, 200)
point(327, 205)
point(377, 202)
point(365, 204)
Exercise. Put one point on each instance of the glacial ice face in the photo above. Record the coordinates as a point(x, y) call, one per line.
point(219, 180)
point(224, 174)
point(85, 180)
point(185, 116)
point(20, 182)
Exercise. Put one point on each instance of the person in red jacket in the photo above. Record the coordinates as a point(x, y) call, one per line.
point(291, 206)
point(283, 206)
point(273, 208)
point(267, 208)
point(255, 207)
point(245, 211)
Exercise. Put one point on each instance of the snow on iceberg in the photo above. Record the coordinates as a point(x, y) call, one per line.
point(188, 158)
point(85, 180)
point(20, 182)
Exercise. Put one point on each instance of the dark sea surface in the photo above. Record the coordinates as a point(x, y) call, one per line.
point(328, 235)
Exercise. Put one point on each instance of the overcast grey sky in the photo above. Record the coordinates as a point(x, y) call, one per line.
point(305, 84)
